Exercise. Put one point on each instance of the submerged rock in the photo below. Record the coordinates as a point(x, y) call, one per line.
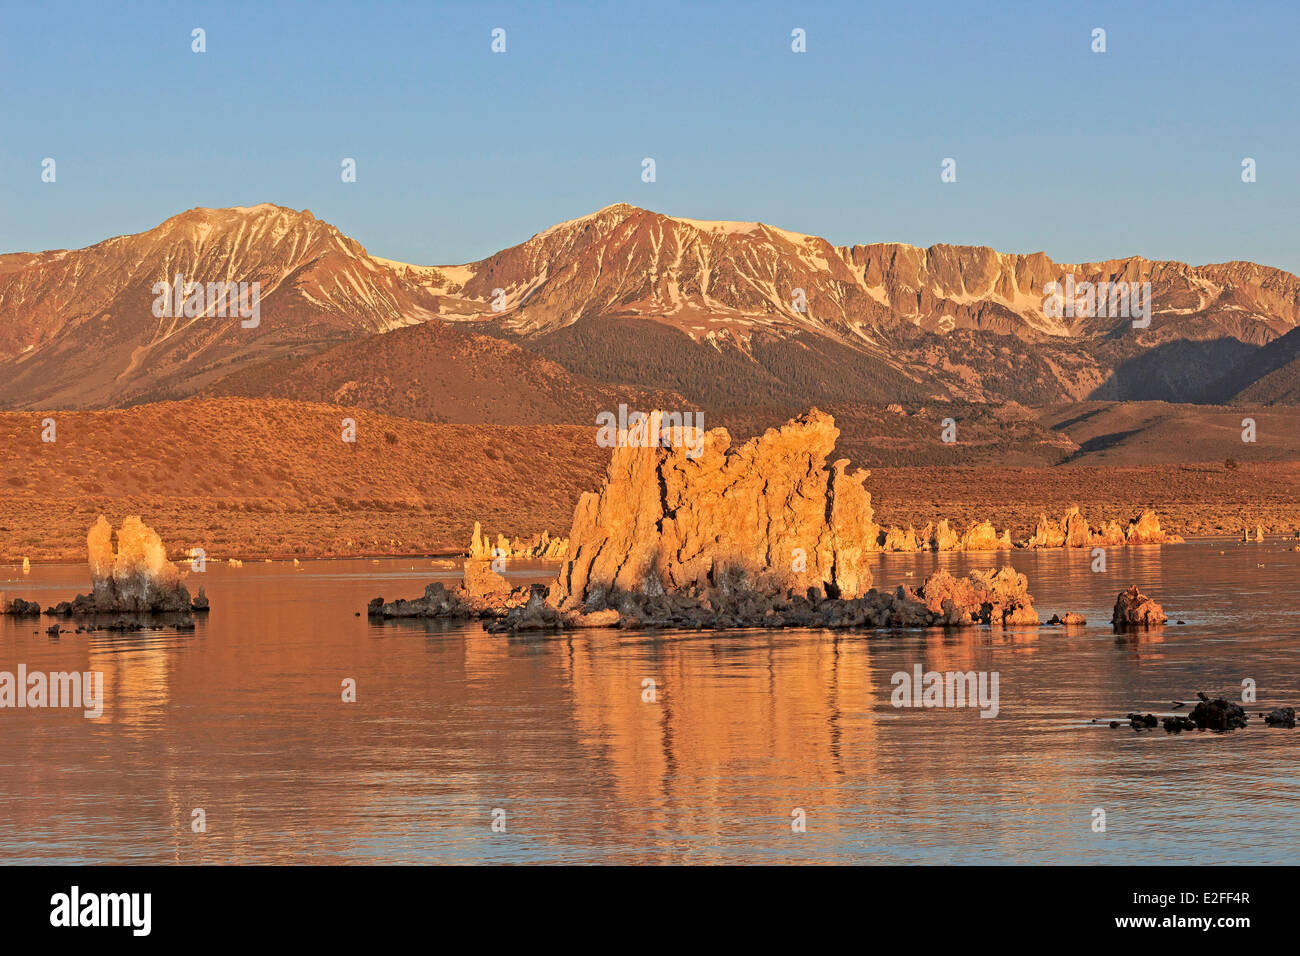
point(1133, 609)
point(1143, 721)
point(1281, 717)
point(1071, 619)
point(1218, 714)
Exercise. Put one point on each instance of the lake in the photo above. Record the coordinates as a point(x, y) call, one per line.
point(243, 718)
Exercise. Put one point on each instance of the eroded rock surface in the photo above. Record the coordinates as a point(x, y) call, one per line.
point(770, 511)
point(1133, 609)
point(993, 597)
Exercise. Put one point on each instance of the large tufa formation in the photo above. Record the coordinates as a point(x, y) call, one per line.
point(1073, 531)
point(696, 534)
point(769, 515)
point(131, 575)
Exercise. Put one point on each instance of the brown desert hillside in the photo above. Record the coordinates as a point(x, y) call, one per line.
point(263, 477)
point(441, 373)
point(258, 477)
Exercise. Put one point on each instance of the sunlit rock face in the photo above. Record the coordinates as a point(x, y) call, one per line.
point(132, 574)
point(995, 596)
point(1133, 609)
point(692, 510)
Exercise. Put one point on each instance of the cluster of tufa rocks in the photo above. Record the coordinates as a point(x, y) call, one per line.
point(978, 536)
point(538, 546)
point(1073, 531)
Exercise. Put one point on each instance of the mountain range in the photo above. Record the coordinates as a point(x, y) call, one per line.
point(625, 305)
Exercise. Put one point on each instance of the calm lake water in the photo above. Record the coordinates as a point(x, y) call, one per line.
point(243, 718)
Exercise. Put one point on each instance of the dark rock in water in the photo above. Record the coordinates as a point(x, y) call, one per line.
point(1114, 723)
point(1142, 721)
point(534, 615)
point(1218, 714)
point(19, 608)
point(1176, 725)
point(437, 601)
point(1133, 609)
point(201, 602)
point(1281, 717)
point(52, 629)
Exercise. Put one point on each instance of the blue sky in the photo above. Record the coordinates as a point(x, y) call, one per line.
point(461, 152)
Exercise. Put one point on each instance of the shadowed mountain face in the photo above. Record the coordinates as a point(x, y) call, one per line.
point(724, 313)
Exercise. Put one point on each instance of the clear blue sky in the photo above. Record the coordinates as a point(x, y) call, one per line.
point(462, 152)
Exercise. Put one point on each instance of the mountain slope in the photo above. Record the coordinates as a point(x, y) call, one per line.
point(439, 373)
point(77, 328)
point(723, 312)
point(1279, 383)
point(959, 321)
